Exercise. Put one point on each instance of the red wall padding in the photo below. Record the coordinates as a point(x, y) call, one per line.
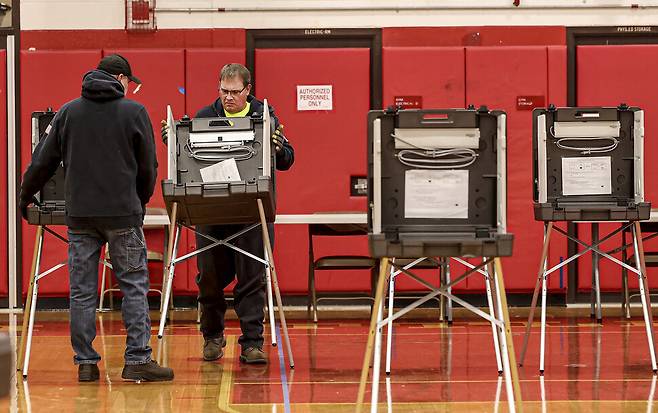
point(439, 80)
point(4, 279)
point(48, 79)
point(495, 77)
point(473, 36)
point(329, 147)
point(607, 76)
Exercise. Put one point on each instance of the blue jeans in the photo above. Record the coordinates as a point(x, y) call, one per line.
point(128, 258)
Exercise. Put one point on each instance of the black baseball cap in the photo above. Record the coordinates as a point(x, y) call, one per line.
point(115, 64)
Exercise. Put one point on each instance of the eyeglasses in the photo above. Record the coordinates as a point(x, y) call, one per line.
point(228, 92)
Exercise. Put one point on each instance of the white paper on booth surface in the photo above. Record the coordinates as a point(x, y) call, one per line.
point(436, 194)
point(587, 175)
point(224, 171)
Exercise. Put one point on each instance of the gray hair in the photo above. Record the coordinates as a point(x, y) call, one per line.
point(232, 70)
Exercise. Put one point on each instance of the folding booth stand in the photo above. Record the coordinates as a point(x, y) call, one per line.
point(437, 188)
point(49, 209)
point(589, 168)
point(221, 171)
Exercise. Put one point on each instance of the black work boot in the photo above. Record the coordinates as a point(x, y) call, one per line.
point(253, 355)
point(212, 348)
point(88, 372)
point(150, 371)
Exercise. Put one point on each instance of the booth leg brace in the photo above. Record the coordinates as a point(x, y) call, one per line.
point(270, 273)
point(542, 279)
point(501, 318)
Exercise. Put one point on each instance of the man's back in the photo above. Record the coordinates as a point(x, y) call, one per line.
point(106, 145)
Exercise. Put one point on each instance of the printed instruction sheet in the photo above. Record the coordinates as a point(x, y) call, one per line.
point(436, 194)
point(587, 175)
point(224, 171)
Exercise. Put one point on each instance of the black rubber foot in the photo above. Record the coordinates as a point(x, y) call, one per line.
point(25, 377)
point(600, 321)
point(655, 372)
point(159, 337)
point(273, 344)
point(449, 322)
point(292, 367)
point(388, 373)
point(500, 372)
point(541, 372)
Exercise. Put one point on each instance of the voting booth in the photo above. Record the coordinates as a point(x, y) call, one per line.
point(589, 167)
point(221, 171)
point(589, 164)
point(437, 190)
point(221, 164)
point(50, 209)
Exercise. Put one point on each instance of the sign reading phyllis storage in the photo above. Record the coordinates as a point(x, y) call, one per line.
point(314, 97)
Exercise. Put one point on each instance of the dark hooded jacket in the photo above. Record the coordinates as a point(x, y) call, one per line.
point(284, 158)
point(105, 143)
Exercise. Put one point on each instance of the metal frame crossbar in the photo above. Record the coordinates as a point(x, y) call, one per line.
point(594, 247)
point(499, 317)
point(25, 349)
point(268, 262)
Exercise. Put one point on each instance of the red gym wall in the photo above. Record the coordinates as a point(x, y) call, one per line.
point(446, 67)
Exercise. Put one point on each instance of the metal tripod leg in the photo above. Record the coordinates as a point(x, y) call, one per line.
point(542, 339)
point(36, 257)
point(374, 397)
point(33, 307)
point(448, 300)
point(548, 228)
point(384, 268)
point(270, 303)
point(510, 371)
point(275, 282)
point(596, 274)
point(174, 233)
point(389, 326)
point(644, 291)
point(487, 280)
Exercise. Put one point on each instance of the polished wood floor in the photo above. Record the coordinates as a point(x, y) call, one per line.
point(436, 368)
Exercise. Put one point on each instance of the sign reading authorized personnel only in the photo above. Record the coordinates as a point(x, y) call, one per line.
point(315, 97)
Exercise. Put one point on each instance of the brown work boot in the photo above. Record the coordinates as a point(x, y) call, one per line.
point(253, 355)
point(213, 348)
point(150, 371)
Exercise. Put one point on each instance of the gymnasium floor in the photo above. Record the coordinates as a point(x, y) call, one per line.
point(436, 368)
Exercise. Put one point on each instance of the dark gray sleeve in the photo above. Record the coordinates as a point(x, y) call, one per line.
point(147, 162)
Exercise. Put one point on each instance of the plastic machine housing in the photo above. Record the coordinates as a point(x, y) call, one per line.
point(52, 208)
point(207, 203)
point(621, 196)
point(481, 231)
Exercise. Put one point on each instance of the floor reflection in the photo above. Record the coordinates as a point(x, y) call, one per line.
point(590, 368)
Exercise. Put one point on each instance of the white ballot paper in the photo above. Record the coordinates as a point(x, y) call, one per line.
point(587, 176)
point(224, 171)
point(436, 194)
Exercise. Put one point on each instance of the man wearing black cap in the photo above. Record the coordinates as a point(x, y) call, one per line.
point(105, 143)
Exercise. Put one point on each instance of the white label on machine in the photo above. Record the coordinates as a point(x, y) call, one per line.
point(587, 176)
point(315, 97)
point(224, 171)
point(436, 194)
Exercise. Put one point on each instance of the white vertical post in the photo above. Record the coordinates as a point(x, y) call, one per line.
point(377, 358)
point(12, 248)
point(487, 279)
point(389, 326)
point(270, 302)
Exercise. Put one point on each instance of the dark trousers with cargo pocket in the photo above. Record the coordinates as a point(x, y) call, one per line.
point(218, 267)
